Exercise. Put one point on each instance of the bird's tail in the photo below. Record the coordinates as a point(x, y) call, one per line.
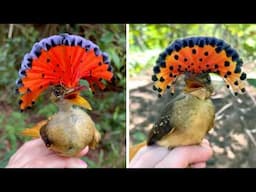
point(134, 149)
point(34, 131)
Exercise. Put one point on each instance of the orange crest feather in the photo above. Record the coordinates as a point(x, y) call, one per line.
point(198, 55)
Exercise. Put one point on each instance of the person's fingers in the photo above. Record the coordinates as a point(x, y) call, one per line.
point(33, 148)
point(181, 157)
point(45, 162)
point(83, 164)
point(139, 154)
point(197, 153)
point(148, 156)
point(34, 154)
point(19, 153)
point(55, 162)
point(198, 165)
point(75, 163)
point(83, 152)
point(205, 142)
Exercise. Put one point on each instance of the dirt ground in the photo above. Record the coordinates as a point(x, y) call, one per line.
point(233, 137)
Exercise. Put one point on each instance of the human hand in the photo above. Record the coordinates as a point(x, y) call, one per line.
point(34, 154)
point(194, 156)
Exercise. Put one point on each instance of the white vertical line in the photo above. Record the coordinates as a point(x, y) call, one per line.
point(127, 97)
point(10, 31)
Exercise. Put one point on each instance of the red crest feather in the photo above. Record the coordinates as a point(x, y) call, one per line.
point(61, 59)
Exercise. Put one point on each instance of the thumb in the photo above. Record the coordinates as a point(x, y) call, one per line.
point(83, 152)
point(182, 157)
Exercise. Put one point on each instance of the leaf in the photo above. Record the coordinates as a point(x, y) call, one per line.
point(139, 136)
point(107, 37)
point(91, 164)
point(252, 82)
point(48, 110)
point(2, 119)
point(101, 157)
point(84, 83)
point(115, 58)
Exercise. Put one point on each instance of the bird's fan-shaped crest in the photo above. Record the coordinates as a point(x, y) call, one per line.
point(61, 59)
point(198, 55)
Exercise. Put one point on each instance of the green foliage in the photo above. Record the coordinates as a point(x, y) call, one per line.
point(108, 107)
point(13, 126)
point(47, 110)
point(111, 124)
point(252, 82)
point(10, 53)
point(144, 38)
point(139, 136)
point(10, 136)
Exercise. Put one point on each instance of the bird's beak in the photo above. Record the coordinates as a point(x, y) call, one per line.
point(73, 97)
point(192, 85)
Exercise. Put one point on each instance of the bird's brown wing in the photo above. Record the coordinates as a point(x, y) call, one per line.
point(163, 125)
point(160, 129)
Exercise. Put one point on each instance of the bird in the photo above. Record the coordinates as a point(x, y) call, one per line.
point(188, 118)
point(56, 65)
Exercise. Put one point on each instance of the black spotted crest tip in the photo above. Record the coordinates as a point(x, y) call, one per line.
point(199, 55)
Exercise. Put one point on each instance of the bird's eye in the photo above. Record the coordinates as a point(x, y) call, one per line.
point(58, 91)
point(208, 79)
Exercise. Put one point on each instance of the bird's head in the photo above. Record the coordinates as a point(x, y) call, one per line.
point(198, 85)
point(61, 94)
point(60, 62)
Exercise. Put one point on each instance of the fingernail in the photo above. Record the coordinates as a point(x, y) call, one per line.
point(205, 143)
point(83, 164)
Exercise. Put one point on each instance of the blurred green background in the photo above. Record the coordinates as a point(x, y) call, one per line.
point(108, 107)
point(233, 138)
point(146, 41)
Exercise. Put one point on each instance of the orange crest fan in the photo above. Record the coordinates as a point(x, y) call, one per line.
point(61, 60)
point(198, 55)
